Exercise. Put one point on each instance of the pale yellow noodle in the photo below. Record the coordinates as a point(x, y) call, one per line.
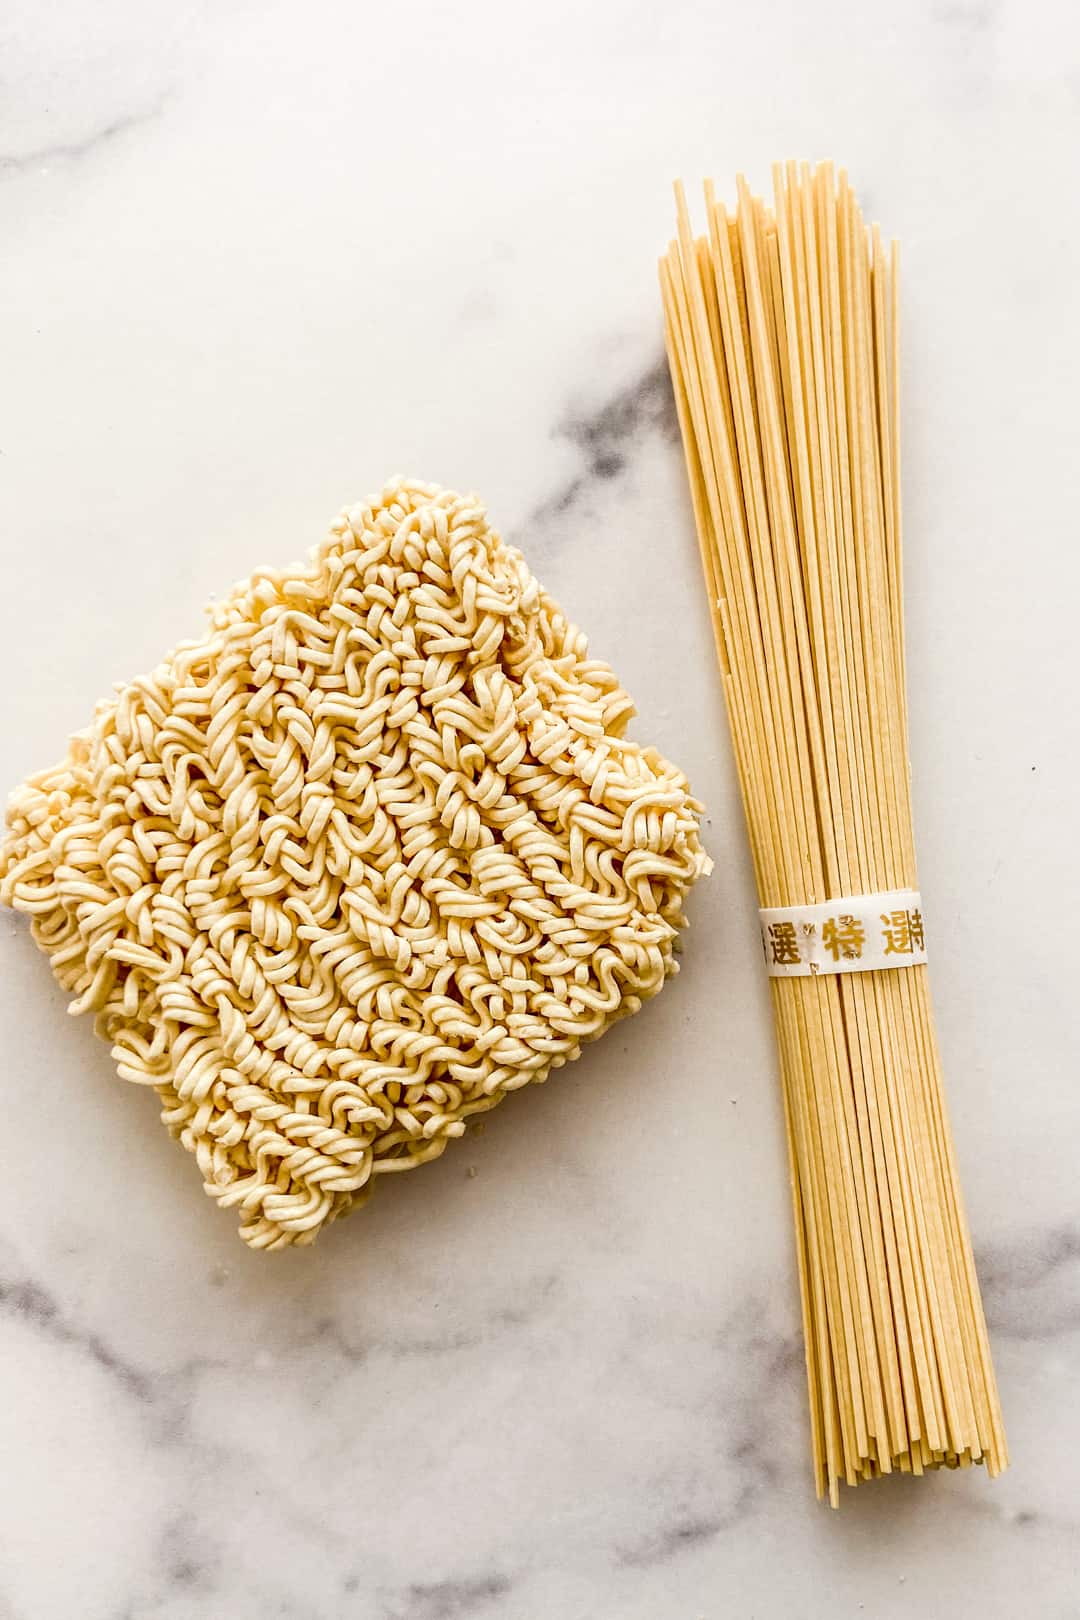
point(782, 331)
point(372, 854)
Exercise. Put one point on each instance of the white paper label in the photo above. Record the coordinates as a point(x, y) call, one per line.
point(863, 933)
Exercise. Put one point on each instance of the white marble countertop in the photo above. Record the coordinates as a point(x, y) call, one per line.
point(256, 259)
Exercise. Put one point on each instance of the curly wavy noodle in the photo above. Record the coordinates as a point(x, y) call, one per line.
point(369, 856)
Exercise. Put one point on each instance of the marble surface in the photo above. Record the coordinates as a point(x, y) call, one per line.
point(258, 257)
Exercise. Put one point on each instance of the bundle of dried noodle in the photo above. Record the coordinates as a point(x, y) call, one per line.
point(782, 333)
point(372, 854)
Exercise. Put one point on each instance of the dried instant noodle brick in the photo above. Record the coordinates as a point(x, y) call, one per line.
point(371, 854)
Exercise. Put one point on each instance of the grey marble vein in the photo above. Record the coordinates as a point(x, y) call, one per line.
point(328, 1334)
point(15, 163)
point(974, 16)
point(606, 435)
point(755, 1367)
point(32, 1303)
point(446, 1600)
point(163, 1396)
point(683, 1536)
point(529, 1299)
point(189, 1559)
point(1031, 1284)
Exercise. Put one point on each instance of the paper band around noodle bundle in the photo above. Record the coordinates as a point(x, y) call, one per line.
point(863, 933)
